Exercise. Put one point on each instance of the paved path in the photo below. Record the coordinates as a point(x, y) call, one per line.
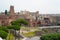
point(49, 27)
point(33, 38)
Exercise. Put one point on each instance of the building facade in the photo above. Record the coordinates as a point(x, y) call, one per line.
point(34, 18)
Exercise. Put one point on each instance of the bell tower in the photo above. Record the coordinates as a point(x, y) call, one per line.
point(12, 10)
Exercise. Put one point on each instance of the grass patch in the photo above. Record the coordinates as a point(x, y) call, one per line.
point(10, 37)
point(29, 34)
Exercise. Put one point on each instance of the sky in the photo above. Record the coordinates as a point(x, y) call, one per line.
point(43, 6)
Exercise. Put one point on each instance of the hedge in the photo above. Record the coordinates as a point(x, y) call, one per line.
point(52, 36)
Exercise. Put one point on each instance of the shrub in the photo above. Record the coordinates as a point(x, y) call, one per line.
point(3, 34)
point(58, 23)
point(52, 36)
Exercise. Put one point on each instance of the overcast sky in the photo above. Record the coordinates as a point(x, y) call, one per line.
point(43, 6)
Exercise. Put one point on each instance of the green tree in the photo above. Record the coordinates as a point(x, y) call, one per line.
point(19, 22)
point(5, 12)
point(3, 34)
point(16, 25)
point(4, 28)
